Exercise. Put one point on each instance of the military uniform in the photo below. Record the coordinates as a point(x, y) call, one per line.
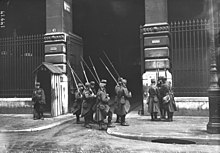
point(39, 102)
point(123, 106)
point(153, 101)
point(102, 110)
point(77, 105)
point(88, 97)
point(92, 83)
point(169, 106)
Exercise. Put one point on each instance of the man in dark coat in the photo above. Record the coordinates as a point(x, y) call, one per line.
point(117, 88)
point(77, 105)
point(39, 102)
point(102, 110)
point(123, 102)
point(88, 97)
point(153, 101)
point(92, 86)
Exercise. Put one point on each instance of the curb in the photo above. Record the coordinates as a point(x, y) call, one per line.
point(149, 138)
point(39, 128)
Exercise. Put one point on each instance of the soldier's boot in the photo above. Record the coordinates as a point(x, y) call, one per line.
point(117, 119)
point(41, 116)
point(101, 124)
point(152, 116)
point(78, 120)
point(110, 124)
point(171, 116)
point(123, 123)
point(86, 125)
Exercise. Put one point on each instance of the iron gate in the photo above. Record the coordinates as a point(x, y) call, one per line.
point(19, 56)
point(190, 57)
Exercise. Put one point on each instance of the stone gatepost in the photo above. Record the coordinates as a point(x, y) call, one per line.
point(155, 43)
point(59, 44)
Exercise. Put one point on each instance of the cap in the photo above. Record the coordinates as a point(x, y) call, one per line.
point(87, 84)
point(103, 81)
point(92, 83)
point(153, 81)
point(120, 79)
point(80, 85)
point(124, 81)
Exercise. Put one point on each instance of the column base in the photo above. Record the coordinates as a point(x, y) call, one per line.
point(213, 128)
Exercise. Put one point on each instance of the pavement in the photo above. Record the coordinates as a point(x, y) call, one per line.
point(183, 130)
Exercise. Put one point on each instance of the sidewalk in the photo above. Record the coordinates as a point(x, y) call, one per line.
point(183, 130)
point(25, 122)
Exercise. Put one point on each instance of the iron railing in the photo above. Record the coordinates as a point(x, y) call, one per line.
point(19, 56)
point(190, 57)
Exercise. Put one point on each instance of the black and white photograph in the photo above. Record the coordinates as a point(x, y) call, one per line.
point(109, 76)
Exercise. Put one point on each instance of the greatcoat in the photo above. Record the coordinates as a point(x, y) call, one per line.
point(123, 104)
point(153, 100)
point(102, 105)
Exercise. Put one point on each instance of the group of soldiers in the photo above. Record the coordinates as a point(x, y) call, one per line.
point(95, 105)
point(161, 100)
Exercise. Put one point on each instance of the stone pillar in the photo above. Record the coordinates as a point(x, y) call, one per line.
point(155, 43)
point(213, 125)
point(57, 41)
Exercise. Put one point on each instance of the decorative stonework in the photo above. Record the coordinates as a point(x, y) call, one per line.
point(55, 37)
point(156, 29)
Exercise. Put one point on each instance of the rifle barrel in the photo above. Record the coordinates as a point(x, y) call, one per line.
point(94, 69)
point(89, 69)
point(108, 71)
point(84, 72)
point(111, 64)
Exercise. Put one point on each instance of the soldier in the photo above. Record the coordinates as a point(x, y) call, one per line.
point(88, 97)
point(92, 85)
point(102, 110)
point(161, 105)
point(38, 99)
point(166, 98)
point(117, 88)
point(153, 103)
point(123, 104)
point(77, 105)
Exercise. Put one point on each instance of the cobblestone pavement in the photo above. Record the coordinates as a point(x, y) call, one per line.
point(71, 137)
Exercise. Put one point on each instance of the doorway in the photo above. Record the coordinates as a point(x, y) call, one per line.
point(44, 77)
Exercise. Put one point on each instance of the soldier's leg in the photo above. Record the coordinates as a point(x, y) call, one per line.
point(117, 119)
point(152, 116)
point(123, 123)
point(110, 119)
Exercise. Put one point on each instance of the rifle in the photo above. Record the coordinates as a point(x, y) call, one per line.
point(68, 63)
point(75, 74)
point(108, 71)
point(84, 72)
point(89, 70)
point(94, 69)
point(111, 64)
